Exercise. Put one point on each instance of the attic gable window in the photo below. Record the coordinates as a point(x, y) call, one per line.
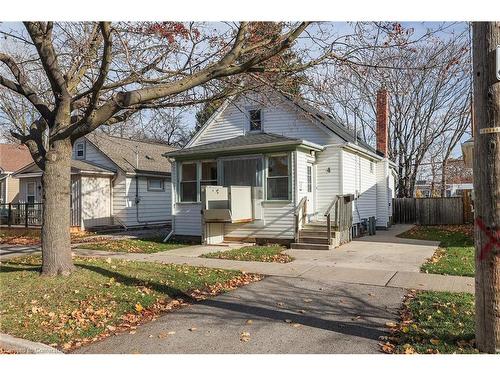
point(80, 150)
point(255, 116)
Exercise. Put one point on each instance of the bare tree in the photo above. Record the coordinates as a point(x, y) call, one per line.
point(428, 77)
point(98, 74)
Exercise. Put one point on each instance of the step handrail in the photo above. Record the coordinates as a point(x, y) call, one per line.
point(300, 215)
point(327, 214)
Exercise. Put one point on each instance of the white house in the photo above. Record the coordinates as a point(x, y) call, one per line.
point(285, 150)
point(114, 182)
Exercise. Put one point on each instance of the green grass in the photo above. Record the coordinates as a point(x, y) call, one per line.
point(437, 322)
point(456, 253)
point(99, 296)
point(273, 253)
point(144, 245)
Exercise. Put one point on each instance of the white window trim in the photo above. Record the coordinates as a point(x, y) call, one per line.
point(34, 191)
point(288, 155)
point(201, 171)
point(249, 122)
point(162, 183)
point(83, 150)
point(180, 181)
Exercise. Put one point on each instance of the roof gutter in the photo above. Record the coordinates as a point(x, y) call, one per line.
point(262, 146)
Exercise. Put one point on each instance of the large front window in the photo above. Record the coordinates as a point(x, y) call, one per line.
point(277, 178)
point(30, 192)
point(189, 182)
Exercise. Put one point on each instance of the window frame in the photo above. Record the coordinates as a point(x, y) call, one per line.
point(250, 122)
point(202, 181)
point(162, 183)
point(196, 180)
point(28, 195)
point(77, 145)
point(267, 177)
point(309, 177)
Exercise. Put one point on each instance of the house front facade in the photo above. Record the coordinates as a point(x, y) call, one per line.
point(12, 157)
point(292, 156)
point(114, 182)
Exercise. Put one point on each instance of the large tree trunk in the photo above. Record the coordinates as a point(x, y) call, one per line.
point(56, 181)
point(486, 36)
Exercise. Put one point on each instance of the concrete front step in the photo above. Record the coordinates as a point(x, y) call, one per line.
point(316, 233)
point(310, 246)
point(311, 239)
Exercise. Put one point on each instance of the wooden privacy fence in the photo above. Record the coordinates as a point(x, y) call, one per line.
point(431, 211)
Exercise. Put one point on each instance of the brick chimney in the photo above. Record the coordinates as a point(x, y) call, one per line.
point(382, 121)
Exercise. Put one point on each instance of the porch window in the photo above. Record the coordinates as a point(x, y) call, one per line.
point(277, 178)
point(208, 173)
point(255, 116)
point(242, 172)
point(189, 182)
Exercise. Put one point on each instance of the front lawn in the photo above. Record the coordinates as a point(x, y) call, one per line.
point(101, 297)
point(273, 253)
point(435, 322)
point(31, 236)
point(456, 253)
point(143, 245)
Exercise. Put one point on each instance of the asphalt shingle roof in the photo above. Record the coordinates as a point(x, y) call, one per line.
point(249, 139)
point(122, 152)
point(13, 157)
point(85, 166)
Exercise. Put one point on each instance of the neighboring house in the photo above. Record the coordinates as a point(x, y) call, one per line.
point(114, 182)
point(12, 157)
point(458, 180)
point(285, 150)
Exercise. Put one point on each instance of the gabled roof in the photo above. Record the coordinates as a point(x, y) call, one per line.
point(132, 156)
point(252, 141)
point(330, 123)
point(77, 167)
point(320, 117)
point(13, 157)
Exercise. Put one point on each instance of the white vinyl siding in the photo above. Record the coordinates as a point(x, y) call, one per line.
point(328, 178)
point(92, 154)
point(358, 180)
point(279, 117)
point(95, 201)
point(186, 216)
point(154, 206)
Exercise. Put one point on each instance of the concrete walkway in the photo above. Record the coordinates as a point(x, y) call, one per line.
point(380, 260)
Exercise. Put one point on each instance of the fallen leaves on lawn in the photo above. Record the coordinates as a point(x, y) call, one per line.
point(87, 315)
point(245, 336)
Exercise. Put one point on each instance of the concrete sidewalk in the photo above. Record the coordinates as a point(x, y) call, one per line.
point(310, 271)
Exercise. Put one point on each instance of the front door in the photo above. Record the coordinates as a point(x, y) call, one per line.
point(310, 191)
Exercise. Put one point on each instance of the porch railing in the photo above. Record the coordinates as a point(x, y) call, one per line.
point(27, 214)
point(341, 209)
point(300, 215)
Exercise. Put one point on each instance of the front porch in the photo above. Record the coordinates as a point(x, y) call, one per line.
point(281, 204)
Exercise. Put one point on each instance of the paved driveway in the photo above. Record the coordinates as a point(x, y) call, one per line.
point(336, 318)
point(384, 251)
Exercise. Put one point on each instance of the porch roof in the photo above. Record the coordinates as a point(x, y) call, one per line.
point(254, 142)
point(77, 167)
